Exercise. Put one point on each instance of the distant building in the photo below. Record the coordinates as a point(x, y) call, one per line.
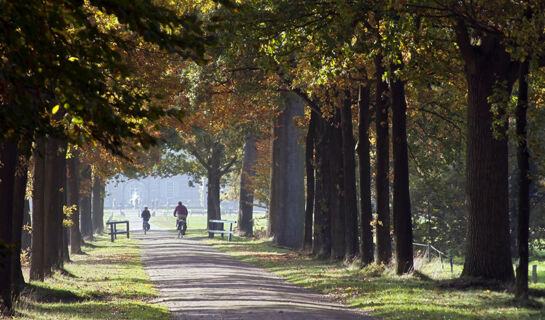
point(154, 193)
point(158, 193)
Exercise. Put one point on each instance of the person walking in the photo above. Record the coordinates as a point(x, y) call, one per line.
point(146, 216)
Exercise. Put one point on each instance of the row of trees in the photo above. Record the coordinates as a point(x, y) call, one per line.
point(399, 74)
point(409, 70)
point(66, 88)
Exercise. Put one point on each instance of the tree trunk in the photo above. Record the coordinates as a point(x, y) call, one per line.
point(86, 222)
point(55, 164)
point(488, 255)
point(246, 203)
point(101, 204)
point(321, 245)
point(336, 190)
point(366, 214)
point(309, 166)
point(213, 199)
point(384, 245)
point(97, 213)
point(349, 174)
point(65, 237)
point(38, 213)
point(286, 212)
point(403, 228)
point(521, 284)
point(19, 213)
point(8, 157)
point(73, 191)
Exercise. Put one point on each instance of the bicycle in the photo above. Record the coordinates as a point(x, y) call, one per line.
point(145, 226)
point(181, 226)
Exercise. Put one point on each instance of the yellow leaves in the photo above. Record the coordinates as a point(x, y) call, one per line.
point(55, 109)
point(72, 59)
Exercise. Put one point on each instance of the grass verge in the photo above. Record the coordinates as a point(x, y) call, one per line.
point(107, 282)
point(425, 294)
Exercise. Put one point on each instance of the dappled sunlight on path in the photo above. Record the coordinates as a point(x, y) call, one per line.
point(196, 281)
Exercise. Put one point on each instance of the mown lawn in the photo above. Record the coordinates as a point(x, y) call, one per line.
point(107, 282)
point(196, 223)
point(428, 293)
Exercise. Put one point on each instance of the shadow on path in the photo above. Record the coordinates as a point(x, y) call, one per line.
point(196, 281)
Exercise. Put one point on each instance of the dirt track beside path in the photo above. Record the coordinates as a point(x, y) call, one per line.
point(196, 281)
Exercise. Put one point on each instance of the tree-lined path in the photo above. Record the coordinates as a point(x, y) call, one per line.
point(196, 281)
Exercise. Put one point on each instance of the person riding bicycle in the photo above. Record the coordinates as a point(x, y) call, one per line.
point(146, 216)
point(180, 212)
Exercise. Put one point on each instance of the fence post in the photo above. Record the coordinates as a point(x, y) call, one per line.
point(451, 265)
point(534, 273)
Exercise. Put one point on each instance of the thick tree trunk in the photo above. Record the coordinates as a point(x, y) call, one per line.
point(384, 244)
point(366, 214)
point(73, 191)
point(349, 174)
point(309, 167)
point(8, 157)
point(488, 255)
point(55, 164)
point(321, 245)
point(97, 213)
point(286, 213)
point(86, 222)
point(403, 228)
point(38, 213)
point(246, 203)
point(336, 191)
point(521, 284)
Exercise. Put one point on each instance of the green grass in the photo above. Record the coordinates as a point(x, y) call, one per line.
point(107, 282)
point(426, 294)
point(196, 223)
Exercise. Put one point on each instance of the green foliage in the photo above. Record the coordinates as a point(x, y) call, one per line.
point(63, 71)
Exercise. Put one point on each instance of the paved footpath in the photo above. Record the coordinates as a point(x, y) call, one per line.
point(196, 281)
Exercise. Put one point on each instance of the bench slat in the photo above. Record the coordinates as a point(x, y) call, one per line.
point(220, 231)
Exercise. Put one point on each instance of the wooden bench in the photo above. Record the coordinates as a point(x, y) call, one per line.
point(113, 228)
point(211, 231)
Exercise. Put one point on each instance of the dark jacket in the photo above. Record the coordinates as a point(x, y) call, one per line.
point(146, 215)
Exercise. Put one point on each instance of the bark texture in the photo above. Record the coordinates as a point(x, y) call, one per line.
point(309, 168)
point(8, 156)
point(20, 212)
point(38, 213)
point(366, 214)
point(55, 176)
point(73, 190)
point(403, 227)
point(86, 221)
point(349, 175)
point(336, 191)
point(321, 246)
point(287, 200)
point(523, 208)
point(213, 199)
point(384, 244)
point(487, 248)
point(246, 206)
point(97, 210)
